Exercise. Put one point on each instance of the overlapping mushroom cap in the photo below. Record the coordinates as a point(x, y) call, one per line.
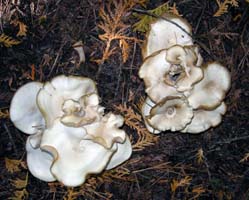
point(71, 135)
point(145, 110)
point(54, 94)
point(205, 119)
point(73, 157)
point(163, 34)
point(171, 71)
point(172, 113)
point(210, 92)
point(24, 112)
point(183, 94)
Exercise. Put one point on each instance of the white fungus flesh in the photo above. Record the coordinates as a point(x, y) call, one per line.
point(122, 154)
point(205, 119)
point(74, 157)
point(211, 90)
point(106, 132)
point(163, 34)
point(24, 112)
point(39, 162)
point(146, 108)
point(61, 88)
point(172, 113)
point(153, 72)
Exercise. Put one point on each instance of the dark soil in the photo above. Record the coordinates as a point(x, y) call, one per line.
point(58, 24)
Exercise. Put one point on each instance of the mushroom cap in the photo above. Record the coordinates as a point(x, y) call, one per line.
point(24, 112)
point(51, 97)
point(170, 71)
point(146, 108)
point(163, 34)
point(205, 119)
point(74, 157)
point(189, 59)
point(152, 72)
point(172, 113)
point(38, 161)
point(211, 90)
point(106, 132)
point(86, 111)
point(122, 154)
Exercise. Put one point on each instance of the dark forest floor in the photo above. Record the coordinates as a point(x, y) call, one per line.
point(46, 51)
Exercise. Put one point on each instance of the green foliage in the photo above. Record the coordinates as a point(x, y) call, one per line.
point(144, 20)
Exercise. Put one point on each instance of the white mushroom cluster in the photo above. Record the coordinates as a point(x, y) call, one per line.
point(70, 136)
point(183, 93)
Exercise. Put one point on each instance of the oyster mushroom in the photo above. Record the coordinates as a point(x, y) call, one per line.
point(122, 154)
point(52, 96)
point(184, 71)
point(146, 108)
point(106, 132)
point(163, 34)
point(58, 114)
point(170, 71)
point(211, 90)
point(74, 157)
point(24, 112)
point(153, 72)
point(38, 161)
point(82, 112)
point(205, 119)
point(172, 113)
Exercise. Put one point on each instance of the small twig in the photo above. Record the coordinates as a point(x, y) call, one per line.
point(10, 137)
point(56, 59)
point(160, 17)
point(228, 141)
point(199, 19)
point(119, 80)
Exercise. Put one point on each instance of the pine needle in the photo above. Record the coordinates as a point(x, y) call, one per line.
point(13, 165)
point(22, 27)
point(112, 24)
point(20, 183)
point(21, 193)
point(245, 158)
point(180, 183)
point(8, 41)
point(223, 6)
point(4, 114)
point(71, 194)
point(134, 120)
point(200, 156)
